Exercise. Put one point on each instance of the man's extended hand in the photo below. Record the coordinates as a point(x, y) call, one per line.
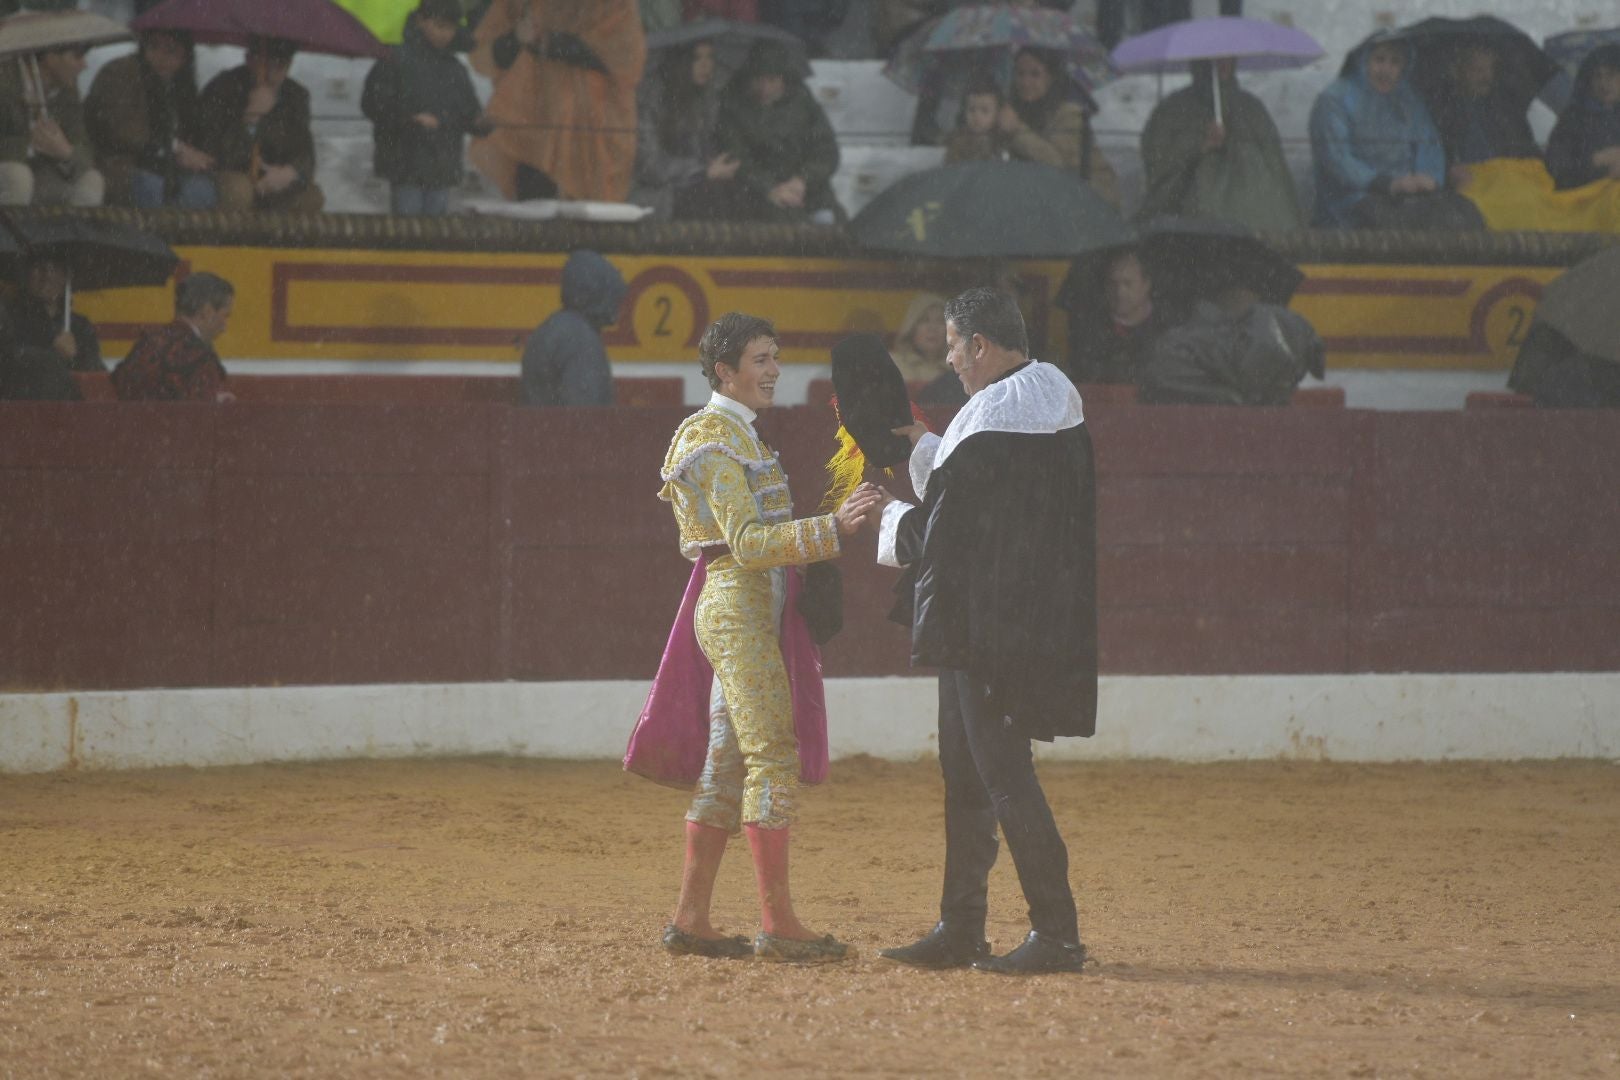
point(912, 431)
point(853, 514)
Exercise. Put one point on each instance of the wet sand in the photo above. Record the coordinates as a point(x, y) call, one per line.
point(492, 917)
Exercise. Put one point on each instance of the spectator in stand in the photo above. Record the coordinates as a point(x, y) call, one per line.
point(141, 114)
point(787, 151)
point(1585, 143)
point(564, 362)
point(178, 362)
point(1376, 151)
point(36, 318)
point(1046, 123)
point(1230, 167)
point(919, 345)
point(422, 106)
point(676, 151)
point(976, 137)
point(1476, 118)
point(254, 122)
point(564, 105)
point(1232, 350)
point(45, 153)
point(1111, 335)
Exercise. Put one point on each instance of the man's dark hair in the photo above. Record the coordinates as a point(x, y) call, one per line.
point(726, 338)
point(202, 289)
point(992, 313)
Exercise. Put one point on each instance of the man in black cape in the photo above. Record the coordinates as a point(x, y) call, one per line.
point(1000, 589)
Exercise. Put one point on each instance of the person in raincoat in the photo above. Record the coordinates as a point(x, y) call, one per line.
point(564, 104)
point(1372, 136)
point(1585, 143)
point(1044, 122)
point(1229, 166)
point(677, 113)
point(564, 362)
point(422, 106)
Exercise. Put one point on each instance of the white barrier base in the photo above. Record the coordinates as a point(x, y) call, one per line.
point(1181, 718)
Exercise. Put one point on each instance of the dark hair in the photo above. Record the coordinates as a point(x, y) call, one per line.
point(448, 11)
point(726, 338)
point(992, 313)
point(196, 291)
point(682, 114)
point(1059, 87)
point(273, 48)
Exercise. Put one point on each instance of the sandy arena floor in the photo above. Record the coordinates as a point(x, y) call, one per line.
point(497, 918)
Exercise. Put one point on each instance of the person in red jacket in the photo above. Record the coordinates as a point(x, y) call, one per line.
point(177, 362)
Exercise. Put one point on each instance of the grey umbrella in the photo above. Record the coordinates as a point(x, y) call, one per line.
point(1008, 209)
point(731, 41)
point(1580, 304)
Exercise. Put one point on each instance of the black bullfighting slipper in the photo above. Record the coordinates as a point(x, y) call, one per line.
point(941, 948)
point(822, 950)
point(680, 943)
point(1038, 955)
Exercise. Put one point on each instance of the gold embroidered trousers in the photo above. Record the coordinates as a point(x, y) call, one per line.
point(752, 767)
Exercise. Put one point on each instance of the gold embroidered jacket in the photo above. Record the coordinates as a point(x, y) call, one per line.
point(726, 487)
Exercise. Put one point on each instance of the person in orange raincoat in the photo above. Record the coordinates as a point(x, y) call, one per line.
point(564, 104)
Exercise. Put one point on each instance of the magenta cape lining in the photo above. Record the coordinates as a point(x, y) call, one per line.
point(671, 738)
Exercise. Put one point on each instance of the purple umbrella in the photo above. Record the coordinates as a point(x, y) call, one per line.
point(1255, 44)
point(313, 25)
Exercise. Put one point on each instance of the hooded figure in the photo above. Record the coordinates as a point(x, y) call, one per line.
point(1236, 172)
point(564, 362)
point(564, 104)
point(1585, 143)
point(1372, 134)
point(771, 123)
point(1232, 351)
point(919, 344)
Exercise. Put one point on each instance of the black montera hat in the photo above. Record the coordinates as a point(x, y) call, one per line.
point(872, 399)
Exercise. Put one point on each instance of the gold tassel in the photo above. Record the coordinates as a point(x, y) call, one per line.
point(844, 471)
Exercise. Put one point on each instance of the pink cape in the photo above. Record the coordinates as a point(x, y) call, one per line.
point(671, 739)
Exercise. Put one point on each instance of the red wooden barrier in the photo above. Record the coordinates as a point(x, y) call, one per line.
point(197, 545)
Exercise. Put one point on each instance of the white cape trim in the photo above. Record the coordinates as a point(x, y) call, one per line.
point(1037, 399)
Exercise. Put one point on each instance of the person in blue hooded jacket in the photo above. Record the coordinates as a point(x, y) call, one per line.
point(1372, 135)
point(1585, 143)
point(564, 362)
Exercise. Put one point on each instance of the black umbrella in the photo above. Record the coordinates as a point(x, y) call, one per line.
point(97, 254)
point(1190, 259)
point(731, 41)
point(1007, 209)
point(1523, 66)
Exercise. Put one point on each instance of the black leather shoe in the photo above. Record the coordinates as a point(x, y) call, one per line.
point(681, 943)
point(1038, 955)
point(940, 948)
